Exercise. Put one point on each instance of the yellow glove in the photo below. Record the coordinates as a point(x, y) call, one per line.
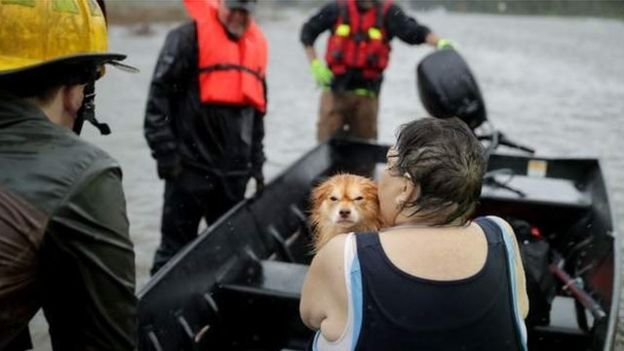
point(322, 75)
point(446, 44)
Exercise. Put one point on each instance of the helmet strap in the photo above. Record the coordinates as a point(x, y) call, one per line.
point(87, 112)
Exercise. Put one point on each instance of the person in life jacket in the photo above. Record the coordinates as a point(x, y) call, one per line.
point(204, 119)
point(65, 245)
point(358, 52)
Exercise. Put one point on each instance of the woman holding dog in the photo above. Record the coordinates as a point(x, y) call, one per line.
point(433, 279)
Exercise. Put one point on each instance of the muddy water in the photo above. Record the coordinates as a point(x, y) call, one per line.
point(556, 84)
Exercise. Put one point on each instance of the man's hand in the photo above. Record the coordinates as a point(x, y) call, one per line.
point(446, 44)
point(169, 167)
point(321, 73)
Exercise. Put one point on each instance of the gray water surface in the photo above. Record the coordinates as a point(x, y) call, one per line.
point(556, 84)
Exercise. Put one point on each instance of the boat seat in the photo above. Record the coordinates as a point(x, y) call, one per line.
point(540, 191)
point(548, 203)
point(274, 278)
point(563, 331)
point(262, 306)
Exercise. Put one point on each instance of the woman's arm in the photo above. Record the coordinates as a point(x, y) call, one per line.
point(324, 292)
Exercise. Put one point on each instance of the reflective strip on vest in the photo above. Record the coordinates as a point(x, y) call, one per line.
point(230, 72)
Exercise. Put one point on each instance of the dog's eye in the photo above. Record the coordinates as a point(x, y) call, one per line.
point(359, 198)
point(333, 198)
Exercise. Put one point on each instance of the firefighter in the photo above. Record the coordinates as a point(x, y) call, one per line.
point(64, 240)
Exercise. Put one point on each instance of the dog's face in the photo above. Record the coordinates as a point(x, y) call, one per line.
point(342, 204)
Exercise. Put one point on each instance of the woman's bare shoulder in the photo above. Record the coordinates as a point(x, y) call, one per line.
point(330, 256)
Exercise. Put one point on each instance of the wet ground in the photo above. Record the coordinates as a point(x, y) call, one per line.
point(556, 84)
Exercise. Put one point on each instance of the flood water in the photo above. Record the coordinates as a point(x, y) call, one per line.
point(556, 84)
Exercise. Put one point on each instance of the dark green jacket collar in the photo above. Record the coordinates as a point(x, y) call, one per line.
point(14, 110)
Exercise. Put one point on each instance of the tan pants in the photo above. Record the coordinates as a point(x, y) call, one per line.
point(355, 114)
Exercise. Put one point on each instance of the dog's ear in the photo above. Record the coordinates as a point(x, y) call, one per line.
point(371, 186)
point(369, 189)
point(320, 193)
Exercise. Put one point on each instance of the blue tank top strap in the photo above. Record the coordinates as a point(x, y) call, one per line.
point(367, 239)
point(491, 229)
point(507, 237)
point(353, 282)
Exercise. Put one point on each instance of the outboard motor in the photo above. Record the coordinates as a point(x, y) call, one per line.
point(447, 88)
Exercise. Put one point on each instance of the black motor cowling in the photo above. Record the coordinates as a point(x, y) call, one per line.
point(447, 88)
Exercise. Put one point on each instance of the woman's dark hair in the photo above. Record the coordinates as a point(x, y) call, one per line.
point(446, 160)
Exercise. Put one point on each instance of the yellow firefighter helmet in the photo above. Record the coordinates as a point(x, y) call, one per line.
point(37, 33)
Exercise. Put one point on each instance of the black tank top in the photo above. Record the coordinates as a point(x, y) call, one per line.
point(407, 313)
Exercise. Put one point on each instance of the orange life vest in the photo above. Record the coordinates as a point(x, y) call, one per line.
point(230, 71)
point(359, 40)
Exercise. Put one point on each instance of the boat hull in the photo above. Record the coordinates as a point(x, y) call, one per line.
point(236, 287)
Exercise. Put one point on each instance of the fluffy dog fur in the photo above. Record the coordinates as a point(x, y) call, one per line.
point(341, 204)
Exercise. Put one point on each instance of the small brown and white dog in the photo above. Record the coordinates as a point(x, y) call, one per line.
point(341, 204)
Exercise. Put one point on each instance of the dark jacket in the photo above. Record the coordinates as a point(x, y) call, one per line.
point(396, 23)
point(64, 242)
point(219, 140)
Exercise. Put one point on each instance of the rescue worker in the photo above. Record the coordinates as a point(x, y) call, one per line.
point(64, 241)
point(358, 52)
point(204, 117)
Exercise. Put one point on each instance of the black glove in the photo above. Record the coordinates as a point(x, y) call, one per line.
point(169, 167)
point(259, 178)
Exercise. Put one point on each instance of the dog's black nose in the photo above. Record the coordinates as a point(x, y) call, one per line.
point(344, 212)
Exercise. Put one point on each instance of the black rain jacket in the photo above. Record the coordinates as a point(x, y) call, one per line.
point(64, 241)
point(216, 140)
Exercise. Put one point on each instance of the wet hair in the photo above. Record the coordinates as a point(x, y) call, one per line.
point(446, 160)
